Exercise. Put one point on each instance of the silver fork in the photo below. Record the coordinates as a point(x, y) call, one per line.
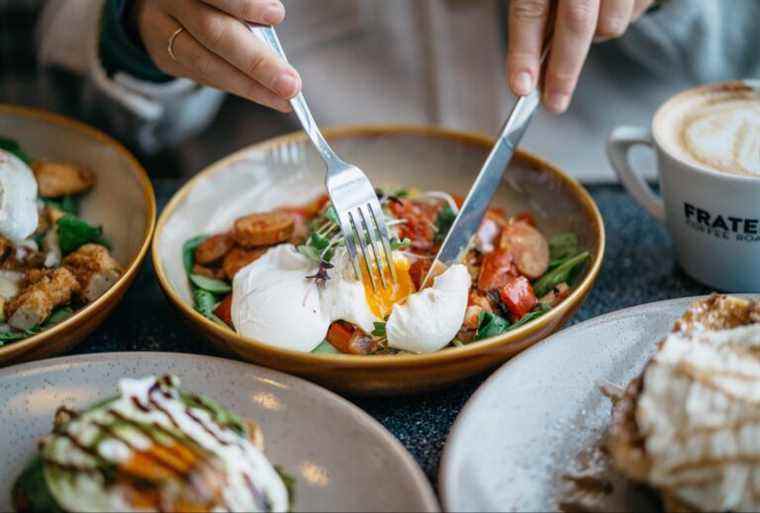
point(361, 218)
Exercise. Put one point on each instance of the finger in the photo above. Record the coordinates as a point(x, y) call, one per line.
point(197, 63)
point(231, 40)
point(640, 8)
point(614, 17)
point(527, 24)
point(266, 12)
point(575, 27)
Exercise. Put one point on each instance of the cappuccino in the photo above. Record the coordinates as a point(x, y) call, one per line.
point(714, 127)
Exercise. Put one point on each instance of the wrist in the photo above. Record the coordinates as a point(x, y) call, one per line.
point(121, 47)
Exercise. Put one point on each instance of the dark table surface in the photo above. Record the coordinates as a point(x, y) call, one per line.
point(639, 268)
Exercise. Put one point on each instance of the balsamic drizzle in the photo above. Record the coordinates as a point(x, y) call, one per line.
point(110, 471)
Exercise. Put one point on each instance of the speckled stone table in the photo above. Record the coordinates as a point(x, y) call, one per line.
point(639, 268)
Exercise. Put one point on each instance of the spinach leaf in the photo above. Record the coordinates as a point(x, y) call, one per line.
point(290, 485)
point(73, 233)
point(14, 148)
point(66, 204)
point(31, 490)
point(531, 316)
point(205, 302)
point(379, 330)
point(332, 215)
point(562, 246)
point(315, 247)
point(325, 348)
point(490, 325)
point(188, 251)
point(443, 223)
point(564, 272)
point(58, 316)
point(210, 284)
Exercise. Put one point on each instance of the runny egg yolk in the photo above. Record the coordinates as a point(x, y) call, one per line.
point(381, 301)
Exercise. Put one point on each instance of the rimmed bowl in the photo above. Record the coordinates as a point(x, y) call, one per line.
point(122, 202)
point(281, 170)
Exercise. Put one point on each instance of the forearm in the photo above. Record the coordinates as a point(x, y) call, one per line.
point(135, 101)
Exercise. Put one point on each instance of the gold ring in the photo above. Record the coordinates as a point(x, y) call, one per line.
point(172, 40)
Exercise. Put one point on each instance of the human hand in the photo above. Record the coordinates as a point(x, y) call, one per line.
point(216, 49)
point(577, 23)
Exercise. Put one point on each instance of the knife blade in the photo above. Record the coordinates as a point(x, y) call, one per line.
point(488, 180)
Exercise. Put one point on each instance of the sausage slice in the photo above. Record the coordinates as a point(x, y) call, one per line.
point(239, 258)
point(267, 229)
point(214, 248)
point(528, 247)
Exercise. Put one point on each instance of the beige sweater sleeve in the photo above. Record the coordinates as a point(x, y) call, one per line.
point(148, 115)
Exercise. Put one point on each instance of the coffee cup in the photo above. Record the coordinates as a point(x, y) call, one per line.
point(707, 144)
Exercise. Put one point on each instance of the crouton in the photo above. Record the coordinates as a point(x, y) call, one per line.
point(56, 179)
point(95, 270)
point(38, 300)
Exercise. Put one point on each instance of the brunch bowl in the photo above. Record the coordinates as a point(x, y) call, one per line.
point(286, 172)
point(67, 260)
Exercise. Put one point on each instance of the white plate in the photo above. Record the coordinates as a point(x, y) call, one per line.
point(342, 459)
point(540, 417)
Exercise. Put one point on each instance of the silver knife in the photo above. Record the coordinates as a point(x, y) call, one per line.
point(475, 205)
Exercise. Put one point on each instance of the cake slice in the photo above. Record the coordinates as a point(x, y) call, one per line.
point(689, 426)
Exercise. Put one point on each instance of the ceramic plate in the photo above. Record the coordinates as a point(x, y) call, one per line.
point(284, 170)
point(342, 459)
point(122, 201)
point(540, 419)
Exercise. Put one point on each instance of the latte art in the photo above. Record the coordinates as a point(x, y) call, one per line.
point(725, 135)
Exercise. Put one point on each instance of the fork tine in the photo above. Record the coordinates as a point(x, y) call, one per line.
point(363, 247)
point(348, 235)
point(372, 242)
point(379, 219)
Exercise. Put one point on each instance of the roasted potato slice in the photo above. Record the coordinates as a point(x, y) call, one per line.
point(256, 230)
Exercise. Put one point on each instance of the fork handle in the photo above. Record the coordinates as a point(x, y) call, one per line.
point(268, 35)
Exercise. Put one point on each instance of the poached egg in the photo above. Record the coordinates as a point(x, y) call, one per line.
point(18, 198)
point(274, 301)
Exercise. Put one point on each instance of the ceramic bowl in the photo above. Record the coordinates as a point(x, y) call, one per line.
point(122, 202)
point(428, 158)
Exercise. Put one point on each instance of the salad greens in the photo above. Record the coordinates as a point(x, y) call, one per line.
point(208, 293)
point(564, 272)
point(490, 325)
point(74, 232)
point(13, 147)
point(57, 317)
point(67, 204)
point(443, 223)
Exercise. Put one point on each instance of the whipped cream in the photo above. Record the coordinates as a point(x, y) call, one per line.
point(700, 415)
point(249, 483)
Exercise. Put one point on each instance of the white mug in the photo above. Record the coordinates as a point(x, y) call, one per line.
point(712, 216)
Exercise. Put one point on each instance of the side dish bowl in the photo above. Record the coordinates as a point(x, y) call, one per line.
point(393, 156)
point(122, 202)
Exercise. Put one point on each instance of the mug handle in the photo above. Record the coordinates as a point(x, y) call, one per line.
point(621, 140)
